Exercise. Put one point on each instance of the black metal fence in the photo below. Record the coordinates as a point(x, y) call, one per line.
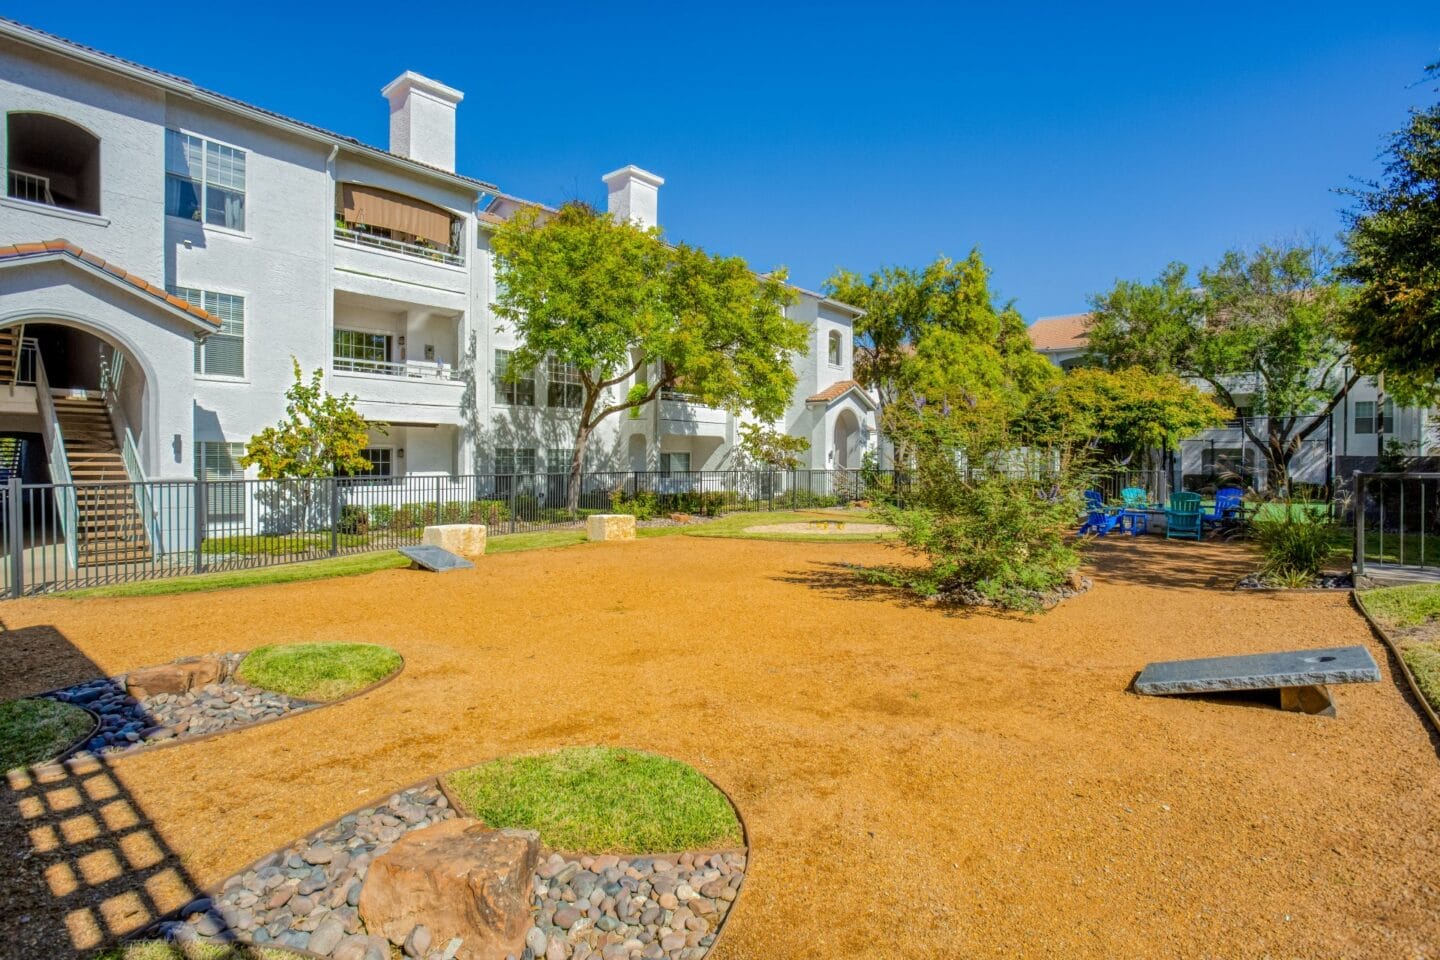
point(1397, 520)
point(69, 536)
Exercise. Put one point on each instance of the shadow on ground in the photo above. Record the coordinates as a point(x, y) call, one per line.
point(1208, 565)
point(85, 863)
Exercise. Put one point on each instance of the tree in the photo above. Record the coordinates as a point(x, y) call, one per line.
point(1392, 250)
point(1126, 413)
point(612, 299)
point(1264, 325)
point(933, 330)
point(768, 447)
point(321, 435)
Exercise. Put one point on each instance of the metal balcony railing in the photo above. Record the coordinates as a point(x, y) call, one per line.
point(29, 186)
point(407, 370)
point(438, 254)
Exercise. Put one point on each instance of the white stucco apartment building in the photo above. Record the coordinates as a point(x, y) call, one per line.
point(1360, 428)
point(208, 242)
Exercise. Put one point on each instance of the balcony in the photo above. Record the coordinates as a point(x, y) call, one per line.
point(406, 370)
point(434, 252)
point(682, 414)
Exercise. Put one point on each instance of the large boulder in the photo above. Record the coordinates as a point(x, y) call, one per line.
point(462, 539)
point(457, 878)
point(181, 676)
point(610, 526)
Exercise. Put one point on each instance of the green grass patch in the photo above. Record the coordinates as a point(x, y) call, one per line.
point(318, 671)
point(601, 800)
point(159, 950)
point(512, 542)
point(1423, 660)
point(1408, 548)
point(290, 573)
point(36, 730)
point(1399, 608)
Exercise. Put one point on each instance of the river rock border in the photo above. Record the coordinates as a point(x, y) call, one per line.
point(305, 896)
point(126, 723)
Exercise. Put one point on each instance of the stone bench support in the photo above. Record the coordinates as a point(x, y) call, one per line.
point(462, 539)
point(610, 526)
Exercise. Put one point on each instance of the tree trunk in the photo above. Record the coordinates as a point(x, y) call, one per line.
point(577, 461)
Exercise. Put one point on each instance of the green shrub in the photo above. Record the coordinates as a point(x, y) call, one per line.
point(1294, 544)
point(645, 505)
point(382, 515)
point(354, 519)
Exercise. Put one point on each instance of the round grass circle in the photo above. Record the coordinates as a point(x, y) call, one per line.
point(318, 671)
point(600, 800)
point(36, 730)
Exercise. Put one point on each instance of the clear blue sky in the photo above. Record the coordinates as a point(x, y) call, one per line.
point(1074, 143)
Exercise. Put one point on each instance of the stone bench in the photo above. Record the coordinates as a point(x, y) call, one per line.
point(462, 539)
point(610, 526)
point(1301, 676)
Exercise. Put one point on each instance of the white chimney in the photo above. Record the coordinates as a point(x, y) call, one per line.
point(422, 119)
point(634, 195)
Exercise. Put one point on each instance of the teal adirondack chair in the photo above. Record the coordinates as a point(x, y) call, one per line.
point(1182, 517)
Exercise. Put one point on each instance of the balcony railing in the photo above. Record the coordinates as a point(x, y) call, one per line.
point(408, 369)
point(29, 186)
point(437, 253)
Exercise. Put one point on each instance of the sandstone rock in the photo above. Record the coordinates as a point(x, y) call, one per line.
point(180, 677)
point(610, 526)
point(464, 539)
point(459, 879)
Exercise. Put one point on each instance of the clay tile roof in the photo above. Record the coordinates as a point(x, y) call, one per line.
point(21, 250)
point(1059, 333)
point(834, 392)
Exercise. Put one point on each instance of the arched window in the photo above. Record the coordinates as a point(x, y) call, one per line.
point(52, 161)
point(837, 350)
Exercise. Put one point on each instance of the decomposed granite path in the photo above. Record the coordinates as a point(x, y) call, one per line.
point(917, 782)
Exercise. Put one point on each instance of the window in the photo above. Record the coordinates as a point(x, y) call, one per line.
point(52, 161)
point(219, 464)
point(557, 459)
point(517, 393)
point(564, 387)
point(382, 463)
point(359, 350)
point(222, 353)
point(513, 460)
point(1365, 417)
point(674, 463)
point(837, 349)
point(204, 180)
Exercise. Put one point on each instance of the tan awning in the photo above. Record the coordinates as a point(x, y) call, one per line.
point(381, 208)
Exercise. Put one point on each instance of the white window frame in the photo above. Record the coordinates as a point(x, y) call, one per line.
point(834, 339)
point(1368, 419)
point(388, 335)
point(514, 458)
point(507, 392)
point(205, 184)
point(557, 459)
point(220, 486)
point(566, 377)
point(198, 297)
point(667, 462)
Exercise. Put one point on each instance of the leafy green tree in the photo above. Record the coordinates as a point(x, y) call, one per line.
point(321, 435)
point(935, 332)
point(1264, 325)
point(612, 299)
point(768, 447)
point(1392, 250)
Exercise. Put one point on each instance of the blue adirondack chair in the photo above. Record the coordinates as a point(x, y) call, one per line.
point(1227, 506)
point(1099, 519)
point(1182, 517)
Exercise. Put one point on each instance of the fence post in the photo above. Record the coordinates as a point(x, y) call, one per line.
point(1359, 485)
point(439, 510)
point(17, 540)
point(199, 521)
point(334, 516)
point(514, 479)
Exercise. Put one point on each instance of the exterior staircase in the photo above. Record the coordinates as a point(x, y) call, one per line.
point(109, 527)
point(10, 353)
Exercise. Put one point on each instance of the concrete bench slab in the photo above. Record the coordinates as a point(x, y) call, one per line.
point(464, 539)
point(435, 559)
point(610, 526)
point(1300, 675)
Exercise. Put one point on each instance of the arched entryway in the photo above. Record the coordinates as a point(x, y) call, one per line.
point(846, 443)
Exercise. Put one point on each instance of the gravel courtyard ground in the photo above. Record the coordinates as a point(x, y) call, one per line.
point(917, 783)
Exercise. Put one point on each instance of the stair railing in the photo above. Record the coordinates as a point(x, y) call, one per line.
point(112, 373)
point(60, 481)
